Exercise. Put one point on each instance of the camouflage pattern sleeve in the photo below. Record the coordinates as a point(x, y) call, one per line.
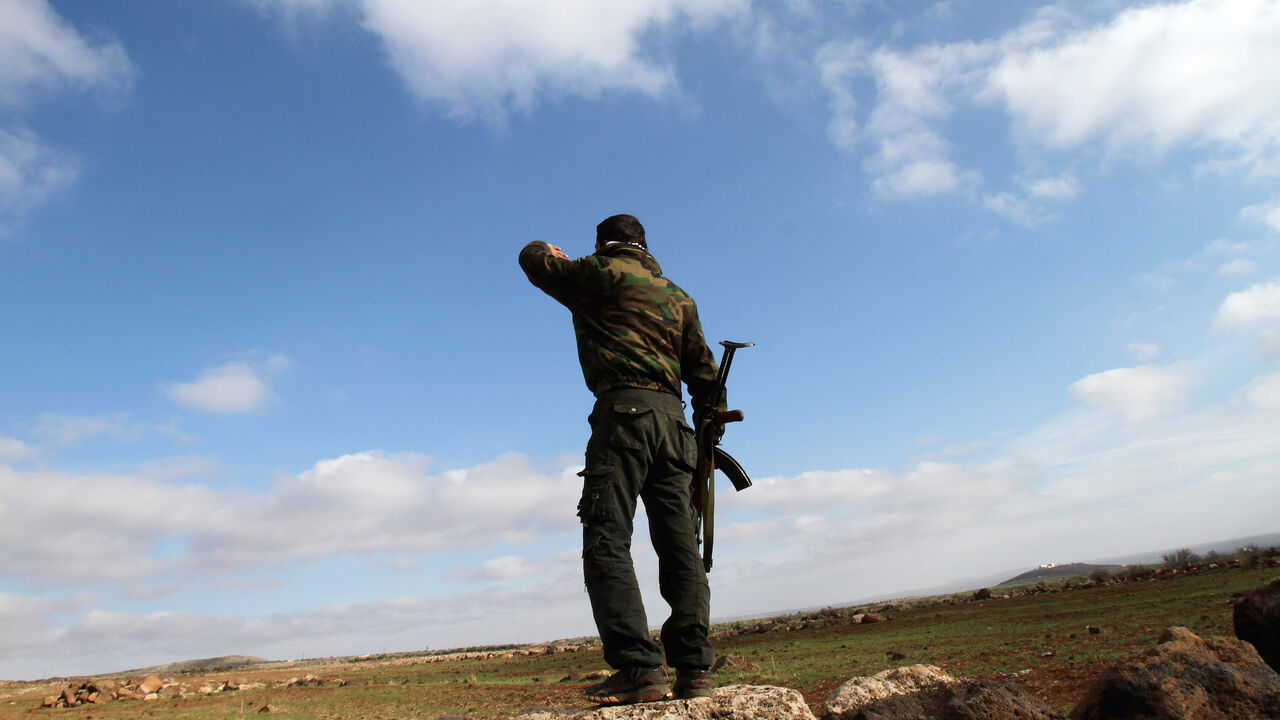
point(634, 327)
point(557, 277)
point(698, 365)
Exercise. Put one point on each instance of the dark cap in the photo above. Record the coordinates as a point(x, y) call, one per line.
point(624, 228)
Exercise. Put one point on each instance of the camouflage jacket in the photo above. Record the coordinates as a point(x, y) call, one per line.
point(635, 328)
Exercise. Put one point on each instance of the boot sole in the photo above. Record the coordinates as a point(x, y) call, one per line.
point(691, 694)
point(653, 693)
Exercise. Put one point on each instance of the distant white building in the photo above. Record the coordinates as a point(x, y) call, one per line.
point(1046, 566)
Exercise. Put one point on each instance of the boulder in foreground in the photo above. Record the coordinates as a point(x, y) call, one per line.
point(735, 702)
point(926, 692)
point(1256, 620)
point(1185, 678)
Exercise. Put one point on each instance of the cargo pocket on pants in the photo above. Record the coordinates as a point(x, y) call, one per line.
point(594, 507)
point(597, 484)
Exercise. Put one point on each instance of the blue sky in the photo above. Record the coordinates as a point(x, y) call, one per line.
point(273, 383)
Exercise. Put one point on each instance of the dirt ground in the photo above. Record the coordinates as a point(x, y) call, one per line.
point(1054, 643)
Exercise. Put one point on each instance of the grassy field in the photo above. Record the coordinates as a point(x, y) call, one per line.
point(1041, 641)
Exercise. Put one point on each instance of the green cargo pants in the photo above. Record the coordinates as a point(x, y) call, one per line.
point(642, 447)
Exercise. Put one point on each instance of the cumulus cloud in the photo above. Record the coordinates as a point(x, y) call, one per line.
point(59, 431)
point(912, 158)
point(1256, 305)
point(1154, 78)
point(502, 568)
point(484, 58)
point(13, 450)
point(375, 502)
point(236, 387)
point(1226, 258)
point(1060, 187)
point(1140, 393)
point(63, 529)
point(1015, 209)
point(133, 527)
point(1239, 268)
point(1267, 213)
point(41, 55)
point(31, 172)
point(1201, 73)
point(1263, 392)
point(1144, 352)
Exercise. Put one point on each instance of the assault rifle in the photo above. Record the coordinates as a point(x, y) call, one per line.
point(710, 422)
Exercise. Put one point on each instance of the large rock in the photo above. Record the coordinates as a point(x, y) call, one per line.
point(1185, 678)
point(1257, 621)
point(735, 702)
point(925, 692)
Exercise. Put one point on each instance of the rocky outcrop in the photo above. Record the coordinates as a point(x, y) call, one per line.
point(1185, 678)
point(1257, 621)
point(926, 692)
point(735, 702)
point(102, 690)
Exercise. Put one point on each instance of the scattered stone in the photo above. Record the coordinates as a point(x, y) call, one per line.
point(1256, 620)
point(872, 618)
point(150, 684)
point(1093, 629)
point(1185, 677)
point(982, 594)
point(724, 661)
point(925, 691)
point(895, 656)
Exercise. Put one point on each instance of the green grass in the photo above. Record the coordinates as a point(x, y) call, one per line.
point(1039, 641)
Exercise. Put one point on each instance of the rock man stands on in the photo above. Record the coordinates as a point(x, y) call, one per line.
point(638, 337)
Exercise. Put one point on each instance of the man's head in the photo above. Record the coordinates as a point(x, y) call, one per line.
point(620, 228)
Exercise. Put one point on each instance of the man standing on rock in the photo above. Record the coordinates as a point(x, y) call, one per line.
point(638, 337)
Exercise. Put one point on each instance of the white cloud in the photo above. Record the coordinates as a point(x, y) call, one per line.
point(1061, 187)
point(1270, 343)
point(838, 65)
point(1154, 78)
point(63, 529)
point(60, 431)
point(912, 158)
point(1258, 304)
point(376, 502)
point(1239, 268)
point(484, 58)
point(1015, 209)
point(1202, 73)
point(1263, 392)
point(31, 172)
point(1140, 393)
point(1267, 213)
point(503, 568)
point(1144, 352)
point(13, 450)
point(59, 528)
point(236, 387)
point(41, 55)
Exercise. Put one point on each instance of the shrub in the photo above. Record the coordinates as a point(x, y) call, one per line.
point(1182, 558)
point(1100, 575)
point(1138, 572)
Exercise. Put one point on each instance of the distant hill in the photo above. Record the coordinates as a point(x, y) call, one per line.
point(1058, 572)
point(226, 662)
